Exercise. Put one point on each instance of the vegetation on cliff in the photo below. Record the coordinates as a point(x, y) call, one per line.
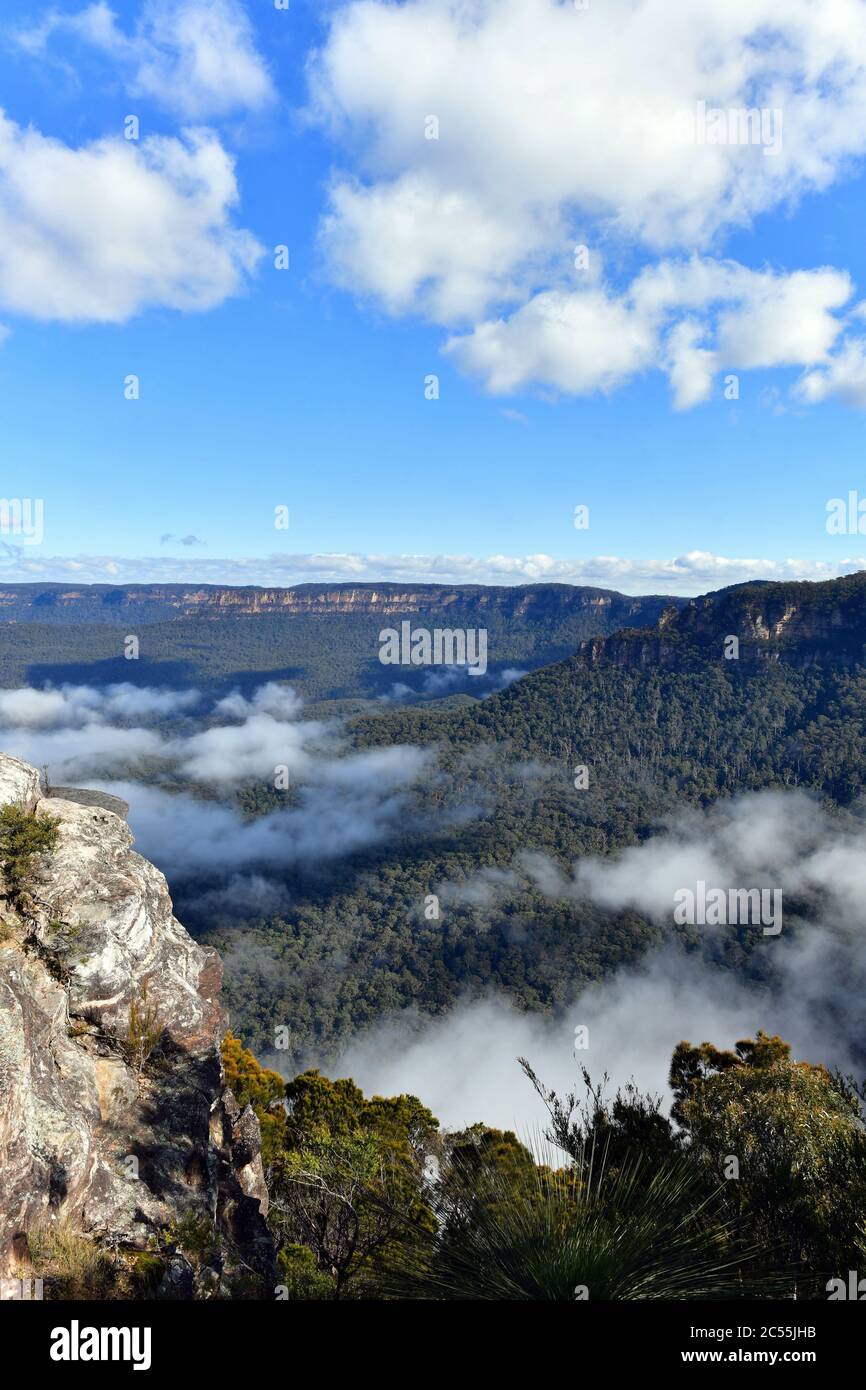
point(753, 1187)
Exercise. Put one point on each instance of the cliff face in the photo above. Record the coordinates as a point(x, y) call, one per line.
point(51, 603)
point(799, 624)
point(92, 1133)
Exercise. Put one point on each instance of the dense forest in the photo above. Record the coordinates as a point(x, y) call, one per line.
point(356, 944)
point(657, 717)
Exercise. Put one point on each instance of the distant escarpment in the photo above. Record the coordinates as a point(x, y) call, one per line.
point(108, 603)
point(797, 623)
point(116, 1129)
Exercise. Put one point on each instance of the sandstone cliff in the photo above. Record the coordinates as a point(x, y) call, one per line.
point(797, 623)
point(94, 1134)
point(148, 603)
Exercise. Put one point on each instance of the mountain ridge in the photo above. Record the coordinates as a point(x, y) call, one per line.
point(109, 602)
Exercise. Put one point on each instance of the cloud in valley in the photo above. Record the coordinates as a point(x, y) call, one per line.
point(341, 801)
point(463, 1064)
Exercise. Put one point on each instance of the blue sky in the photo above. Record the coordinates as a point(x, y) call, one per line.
point(306, 388)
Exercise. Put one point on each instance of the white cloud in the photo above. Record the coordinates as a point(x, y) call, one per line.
point(464, 1064)
point(281, 701)
point(72, 706)
point(344, 806)
point(128, 701)
point(255, 748)
point(543, 108)
point(101, 232)
point(195, 57)
point(558, 126)
point(590, 340)
point(340, 801)
point(417, 246)
point(689, 573)
point(844, 378)
point(578, 343)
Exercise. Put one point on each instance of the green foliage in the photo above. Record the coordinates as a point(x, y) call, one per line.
point(195, 1237)
point(26, 839)
point(301, 1276)
point(536, 1233)
point(351, 1178)
point(632, 1123)
point(798, 1137)
point(252, 1084)
point(146, 1271)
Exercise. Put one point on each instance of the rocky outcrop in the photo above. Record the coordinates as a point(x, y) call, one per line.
point(798, 623)
point(113, 1112)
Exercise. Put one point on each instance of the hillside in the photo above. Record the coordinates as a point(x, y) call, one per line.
point(656, 737)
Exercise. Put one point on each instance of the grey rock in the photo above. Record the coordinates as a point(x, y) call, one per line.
point(87, 1133)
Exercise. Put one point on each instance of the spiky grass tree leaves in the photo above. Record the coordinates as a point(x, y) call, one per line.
point(587, 1232)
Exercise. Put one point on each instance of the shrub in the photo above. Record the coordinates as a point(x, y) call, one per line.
point(25, 840)
point(144, 1032)
point(301, 1276)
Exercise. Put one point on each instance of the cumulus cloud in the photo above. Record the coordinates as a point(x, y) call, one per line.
point(195, 57)
point(588, 340)
point(577, 342)
point(532, 127)
point(100, 232)
point(844, 378)
point(689, 573)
